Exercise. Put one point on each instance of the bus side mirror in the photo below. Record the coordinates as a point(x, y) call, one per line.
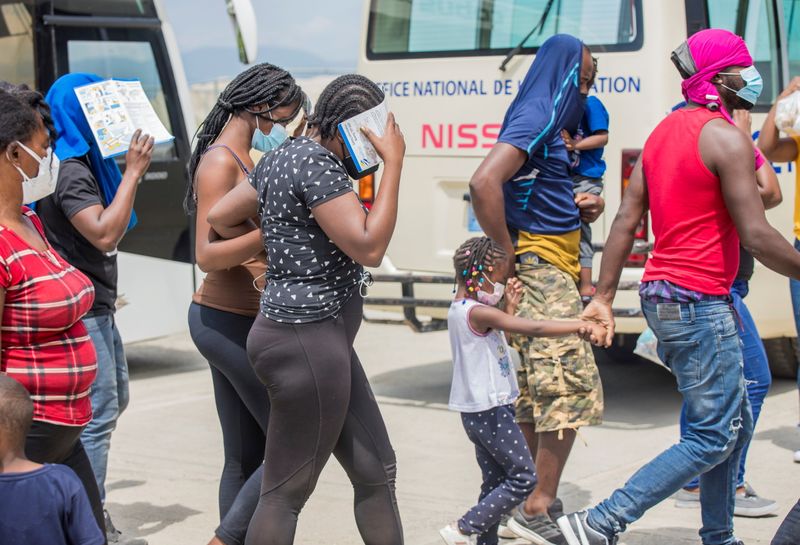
point(243, 17)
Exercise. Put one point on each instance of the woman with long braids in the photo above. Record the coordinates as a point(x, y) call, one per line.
point(318, 237)
point(251, 112)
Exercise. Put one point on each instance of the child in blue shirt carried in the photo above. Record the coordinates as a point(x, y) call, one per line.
point(38, 503)
point(587, 174)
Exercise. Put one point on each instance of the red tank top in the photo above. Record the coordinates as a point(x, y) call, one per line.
point(696, 243)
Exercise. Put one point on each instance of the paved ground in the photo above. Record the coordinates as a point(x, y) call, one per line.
point(166, 455)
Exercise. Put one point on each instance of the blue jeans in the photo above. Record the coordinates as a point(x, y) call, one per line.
point(794, 288)
point(757, 377)
point(109, 393)
point(699, 342)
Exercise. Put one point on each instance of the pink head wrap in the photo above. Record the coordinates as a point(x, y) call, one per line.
point(713, 50)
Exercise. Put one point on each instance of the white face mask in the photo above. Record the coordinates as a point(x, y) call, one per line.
point(493, 298)
point(44, 184)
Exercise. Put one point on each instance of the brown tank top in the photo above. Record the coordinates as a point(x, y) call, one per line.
point(238, 289)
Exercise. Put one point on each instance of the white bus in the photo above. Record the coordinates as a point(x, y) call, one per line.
point(42, 40)
point(439, 62)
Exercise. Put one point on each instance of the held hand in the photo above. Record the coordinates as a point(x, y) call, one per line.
point(140, 153)
point(513, 295)
point(793, 86)
point(600, 312)
point(391, 146)
point(596, 333)
point(743, 121)
point(591, 206)
point(569, 142)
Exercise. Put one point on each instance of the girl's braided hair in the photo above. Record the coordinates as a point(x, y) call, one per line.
point(343, 98)
point(260, 84)
point(475, 256)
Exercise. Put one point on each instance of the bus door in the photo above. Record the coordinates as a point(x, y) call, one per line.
point(123, 39)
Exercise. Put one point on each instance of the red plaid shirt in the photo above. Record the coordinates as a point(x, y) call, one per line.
point(45, 345)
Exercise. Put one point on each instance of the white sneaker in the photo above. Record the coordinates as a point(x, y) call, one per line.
point(453, 536)
point(502, 530)
point(797, 456)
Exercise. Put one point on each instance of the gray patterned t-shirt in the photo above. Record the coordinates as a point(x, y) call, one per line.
point(309, 277)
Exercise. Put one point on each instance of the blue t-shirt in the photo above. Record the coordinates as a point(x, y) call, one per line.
point(595, 118)
point(539, 198)
point(48, 505)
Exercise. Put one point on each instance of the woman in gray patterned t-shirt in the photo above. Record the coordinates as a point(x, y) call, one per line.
point(318, 237)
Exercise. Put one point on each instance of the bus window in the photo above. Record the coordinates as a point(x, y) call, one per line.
point(430, 28)
point(107, 8)
point(16, 43)
point(124, 59)
point(791, 16)
point(755, 20)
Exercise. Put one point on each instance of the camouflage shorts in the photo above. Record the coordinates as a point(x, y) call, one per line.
point(558, 380)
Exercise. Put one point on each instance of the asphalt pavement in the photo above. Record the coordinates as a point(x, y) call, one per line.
point(166, 454)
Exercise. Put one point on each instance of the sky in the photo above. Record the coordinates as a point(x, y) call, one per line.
point(320, 34)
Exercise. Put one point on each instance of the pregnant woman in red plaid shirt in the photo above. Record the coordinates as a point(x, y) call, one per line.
point(44, 344)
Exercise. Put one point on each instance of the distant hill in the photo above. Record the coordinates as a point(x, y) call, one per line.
point(211, 63)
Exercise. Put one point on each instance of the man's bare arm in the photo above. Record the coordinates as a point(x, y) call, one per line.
point(774, 147)
point(486, 191)
point(618, 247)
point(728, 153)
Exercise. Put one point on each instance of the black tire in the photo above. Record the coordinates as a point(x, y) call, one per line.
point(621, 351)
point(782, 356)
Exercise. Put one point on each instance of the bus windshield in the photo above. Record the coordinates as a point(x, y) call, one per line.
point(435, 28)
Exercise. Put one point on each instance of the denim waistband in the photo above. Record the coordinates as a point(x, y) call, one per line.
point(699, 309)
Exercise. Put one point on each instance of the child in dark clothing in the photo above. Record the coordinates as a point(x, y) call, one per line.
point(587, 175)
point(39, 504)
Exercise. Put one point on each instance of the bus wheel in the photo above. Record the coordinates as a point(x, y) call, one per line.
point(782, 356)
point(621, 351)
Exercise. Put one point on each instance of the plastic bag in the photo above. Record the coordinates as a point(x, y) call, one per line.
point(787, 114)
point(647, 347)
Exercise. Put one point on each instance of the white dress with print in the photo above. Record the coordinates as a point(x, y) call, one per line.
point(483, 372)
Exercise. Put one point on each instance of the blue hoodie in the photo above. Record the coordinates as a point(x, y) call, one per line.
point(539, 198)
point(75, 138)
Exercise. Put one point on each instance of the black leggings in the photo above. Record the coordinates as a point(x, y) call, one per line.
point(53, 444)
point(789, 531)
point(321, 403)
point(242, 407)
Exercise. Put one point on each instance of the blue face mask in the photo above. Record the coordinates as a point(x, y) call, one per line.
point(268, 142)
point(753, 84)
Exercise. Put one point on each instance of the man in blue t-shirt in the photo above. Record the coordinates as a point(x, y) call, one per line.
point(38, 503)
point(588, 167)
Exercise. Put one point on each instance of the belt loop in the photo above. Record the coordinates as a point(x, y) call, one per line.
point(691, 313)
point(736, 316)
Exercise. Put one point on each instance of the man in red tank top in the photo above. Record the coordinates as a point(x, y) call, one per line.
point(696, 176)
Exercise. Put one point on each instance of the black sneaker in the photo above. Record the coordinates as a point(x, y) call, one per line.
point(556, 509)
point(539, 529)
point(115, 537)
point(578, 532)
